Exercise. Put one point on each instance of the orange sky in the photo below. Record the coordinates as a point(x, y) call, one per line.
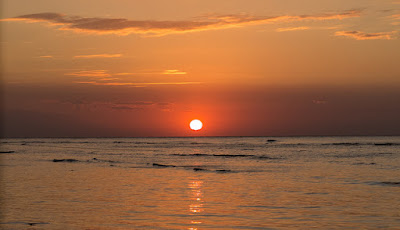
point(146, 68)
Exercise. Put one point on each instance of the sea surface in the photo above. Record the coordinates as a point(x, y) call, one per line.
point(201, 183)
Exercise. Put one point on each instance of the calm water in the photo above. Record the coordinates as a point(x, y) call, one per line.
point(201, 183)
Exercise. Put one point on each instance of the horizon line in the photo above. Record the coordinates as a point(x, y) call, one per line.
point(66, 137)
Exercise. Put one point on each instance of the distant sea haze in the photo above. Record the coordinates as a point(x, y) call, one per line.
point(201, 183)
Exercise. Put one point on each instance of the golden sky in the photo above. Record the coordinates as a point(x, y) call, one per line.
point(243, 67)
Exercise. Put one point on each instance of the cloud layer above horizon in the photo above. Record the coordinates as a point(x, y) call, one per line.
point(358, 35)
point(122, 26)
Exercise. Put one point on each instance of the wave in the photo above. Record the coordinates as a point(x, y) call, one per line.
point(261, 157)
point(211, 155)
point(356, 143)
point(385, 183)
point(345, 143)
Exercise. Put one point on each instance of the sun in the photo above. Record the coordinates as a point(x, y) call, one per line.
point(196, 124)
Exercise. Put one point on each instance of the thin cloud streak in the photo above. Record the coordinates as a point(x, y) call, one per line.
point(395, 16)
point(165, 72)
point(46, 56)
point(108, 76)
point(122, 26)
point(124, 74)
point(98, 56)
point(319, 102)
point(396, 19)
point(292, 29)
point(90, 73)
point(133, 84)
point(80, 104)
point(174, 72)
point(359, 35)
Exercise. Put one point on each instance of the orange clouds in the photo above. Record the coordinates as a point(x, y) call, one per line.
point(358, 35)
point(90, 73)
point(103, 78)
point(111, 104)
point(46, 56)
point(98, 56)
point(139, 84)
point(122, 26)
point(174, 72)
point(396, 19)
point(292, 28)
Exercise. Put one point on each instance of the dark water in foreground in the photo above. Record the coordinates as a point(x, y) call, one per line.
point(201, 183)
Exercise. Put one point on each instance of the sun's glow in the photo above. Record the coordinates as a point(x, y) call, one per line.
point(196, 125)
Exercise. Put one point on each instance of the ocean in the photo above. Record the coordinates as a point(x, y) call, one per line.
point(201, 183)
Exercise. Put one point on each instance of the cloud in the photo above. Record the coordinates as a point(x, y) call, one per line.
point(99, 56)
point(90, 73)
point(395, 16)
point(108, 79)
point(141, 105)
point(122, 26)
point(123, 74)
point(136, 84)
point(319, 102)
point(358, 35)
point(299, 28)
point(90, 104)
point(46, 56)
point(104, 75)
point(292, 28)
point(174, 72)
point(122, 107)
point(166, 106)
point(155, 72)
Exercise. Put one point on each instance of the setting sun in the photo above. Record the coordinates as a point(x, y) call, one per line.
point(196, 124)
point(200, 114)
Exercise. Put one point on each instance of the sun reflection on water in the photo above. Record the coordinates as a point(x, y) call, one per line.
point(196, 195)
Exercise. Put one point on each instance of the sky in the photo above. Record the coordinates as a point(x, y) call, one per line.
point(133, 68)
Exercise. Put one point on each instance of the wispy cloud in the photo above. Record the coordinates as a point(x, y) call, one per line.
point(105, 75)
point(319, 102)
point(155, 72)
point(110, 104)
point(292, 28)
point(90, 73)
point(124, 107)
point(46, 56)
point(140, 105)
point(358, 35)
point(122, 26)
point(107, 83)
point(395, 16)
point(137, 84)
point(132, 105)
point(98, 56)
point(123, 74)
point(174, 72)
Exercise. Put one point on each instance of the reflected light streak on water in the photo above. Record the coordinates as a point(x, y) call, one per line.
point(196, 195)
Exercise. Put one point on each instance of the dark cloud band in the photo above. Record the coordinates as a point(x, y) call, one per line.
point(122, 26)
